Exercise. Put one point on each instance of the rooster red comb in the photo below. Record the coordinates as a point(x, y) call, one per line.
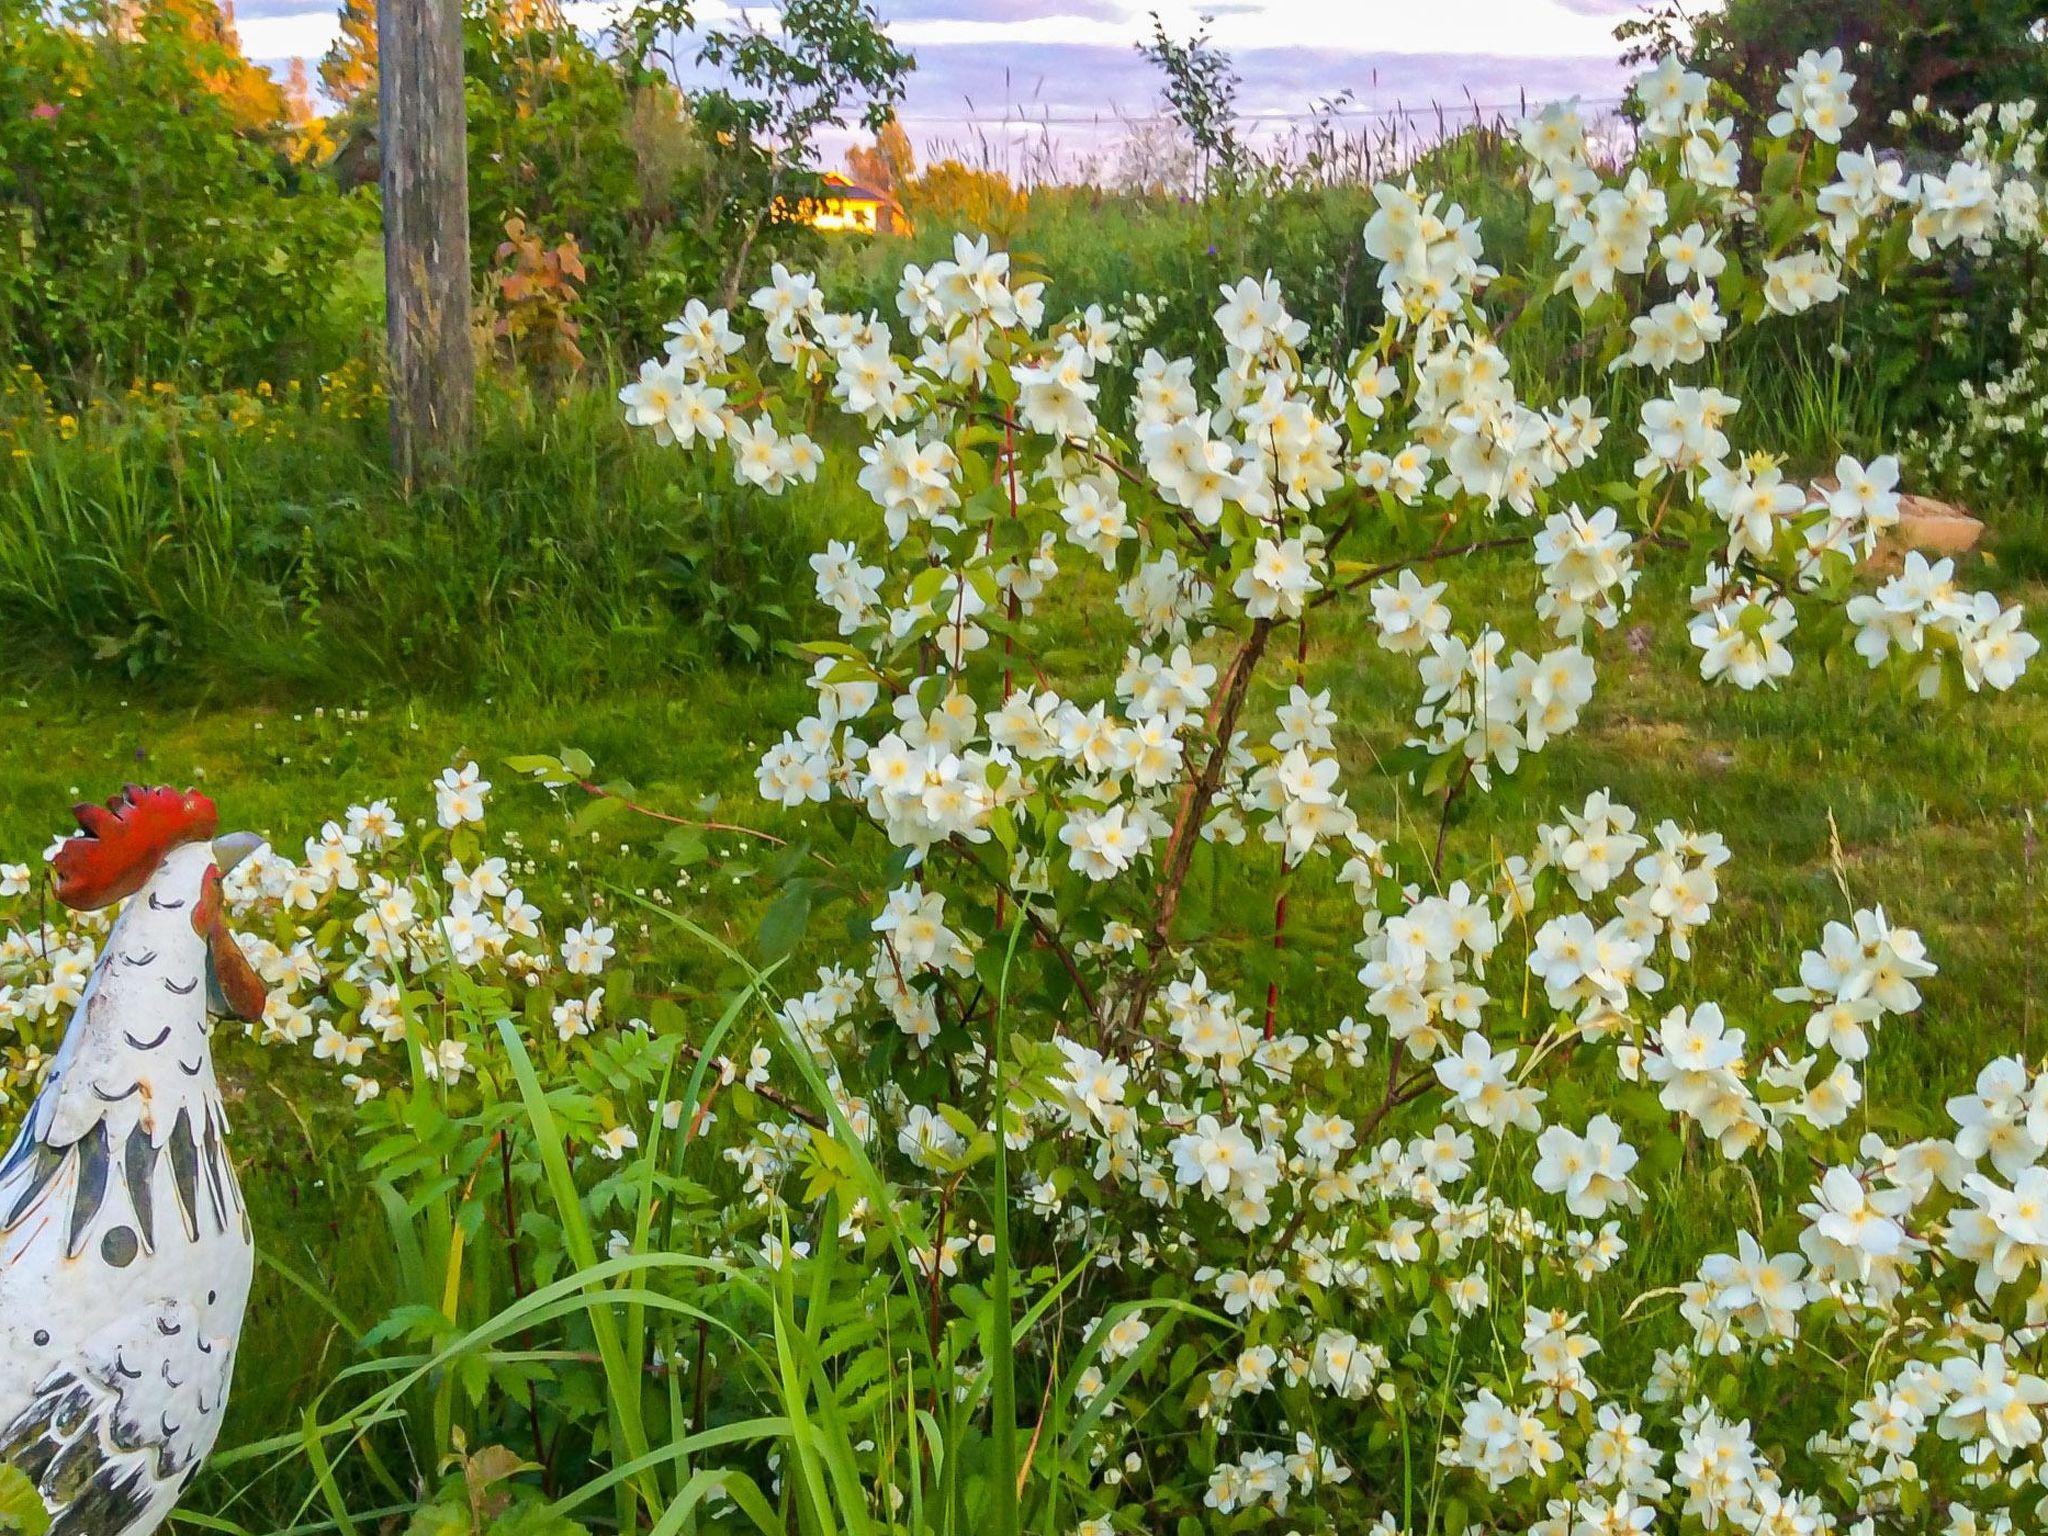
point(119, 845)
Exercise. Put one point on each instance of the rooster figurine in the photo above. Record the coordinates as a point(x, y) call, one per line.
point(125, 1252)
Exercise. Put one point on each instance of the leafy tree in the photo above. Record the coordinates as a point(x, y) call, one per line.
point(824, 64)
point(550, 145)
point(952, 195)
point(156, 219)
point(348, 69)
point(1201, 93)
point(888, 163)
point(312, 134)
point(253, 99)
point(886, 166)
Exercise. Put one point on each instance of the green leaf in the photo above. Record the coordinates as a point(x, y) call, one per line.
point(1781, 170)
point(782, 926)
point(925, 589)
point(439, 1520)
point(685, 846)
point(21, 1507)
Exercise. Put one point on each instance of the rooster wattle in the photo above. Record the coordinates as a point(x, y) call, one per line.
point(125, 1250)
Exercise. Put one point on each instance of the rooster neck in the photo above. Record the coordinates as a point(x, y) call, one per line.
point(133, 1086)
point(138, 1052)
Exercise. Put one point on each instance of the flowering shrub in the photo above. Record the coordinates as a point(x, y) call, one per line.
point(1996, 433)
point(1343, 1195)
point(1138, 1239)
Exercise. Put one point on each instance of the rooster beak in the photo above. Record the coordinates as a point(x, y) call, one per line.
point(230, 850)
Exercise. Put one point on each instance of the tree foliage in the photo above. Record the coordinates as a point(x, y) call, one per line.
point(153, 210)
point(1201, 93)
point(888, 163)
point(825, 64)
point(348, 69)
point(1952, 55)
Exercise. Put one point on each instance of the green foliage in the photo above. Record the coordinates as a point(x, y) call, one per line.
point(184, 543)
point(348, 69)
point(1940, 833)
point(153, 218)
point(21, 1506)
point(1952, 55)
point(824, 64)
point(266, 543)
point(560, 138)
point(1201, 92)
point(481, 1498)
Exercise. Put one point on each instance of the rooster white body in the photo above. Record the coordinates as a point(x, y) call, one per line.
point(125, 1251)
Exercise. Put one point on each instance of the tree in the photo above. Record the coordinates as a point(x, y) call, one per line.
point(253, 99)
point(348, 69)
point(825, 63)
point(888, 163)
point(563, 139)
point(949, 194)
point(887, 166)
point(1952, 55)
point(1201, 93)
point(157, 222)
point(312, 136)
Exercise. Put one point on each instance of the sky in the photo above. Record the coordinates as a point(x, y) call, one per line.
point(997, 72)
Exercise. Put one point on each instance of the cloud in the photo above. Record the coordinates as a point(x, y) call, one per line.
point(1095, 81)
point(1001, 11)
point(1532, 28)
point(271, 10)
point(1002, 69)
point(285, 33)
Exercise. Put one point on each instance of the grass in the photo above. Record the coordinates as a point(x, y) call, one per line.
point(276, 551)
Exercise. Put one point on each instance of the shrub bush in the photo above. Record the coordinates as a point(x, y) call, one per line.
point(155, 221)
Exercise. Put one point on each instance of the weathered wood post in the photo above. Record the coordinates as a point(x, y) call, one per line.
point(424, 140)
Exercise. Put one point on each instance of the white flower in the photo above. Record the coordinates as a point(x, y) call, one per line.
point(616, 1143)
point(586, 948)
point(1815, 97)
point(459, 795)
point(1590, 1171)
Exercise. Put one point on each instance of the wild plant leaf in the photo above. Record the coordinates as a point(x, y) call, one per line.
point(21, 1506)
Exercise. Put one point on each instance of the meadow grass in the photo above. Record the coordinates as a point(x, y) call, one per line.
point(277, 551)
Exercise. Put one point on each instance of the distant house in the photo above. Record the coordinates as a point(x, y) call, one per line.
point(848, 205)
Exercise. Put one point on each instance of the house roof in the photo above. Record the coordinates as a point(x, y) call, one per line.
point(839, 189)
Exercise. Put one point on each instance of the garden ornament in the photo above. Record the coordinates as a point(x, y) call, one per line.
point(125, 1250)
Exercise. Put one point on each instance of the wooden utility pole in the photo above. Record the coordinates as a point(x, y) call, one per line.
point(423, 136)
